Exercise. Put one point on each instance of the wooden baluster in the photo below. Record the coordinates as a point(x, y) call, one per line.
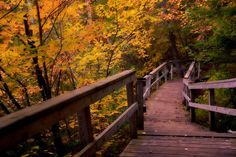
point(148, 84)
point(157, 77)
point(140, 100)
point(188, 94)
point(85, 126)
point(184, 91)
point(192, 76)
point(192, 109)
point(198, 70)
point(133, 118)
point(166, 74)
point(171, 71)
point(212, 121)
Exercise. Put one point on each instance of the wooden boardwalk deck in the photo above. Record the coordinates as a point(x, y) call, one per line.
point(168, 131)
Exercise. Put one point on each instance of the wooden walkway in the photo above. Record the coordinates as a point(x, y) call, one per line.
point(169, 132)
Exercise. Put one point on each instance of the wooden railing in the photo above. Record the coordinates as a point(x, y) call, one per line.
point(30, 121)
point(189, 94)
point(154, 78)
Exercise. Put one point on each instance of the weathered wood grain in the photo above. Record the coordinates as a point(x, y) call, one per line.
point(85, 126)
point(27, 122)
point(140, 100)
point(217, 109)
point(160, 146)
point(211, 102)
point(133, 118)
point(190, 70)
point(168, 131)
point(160, 67)
point(230, 83)
point(90, 149)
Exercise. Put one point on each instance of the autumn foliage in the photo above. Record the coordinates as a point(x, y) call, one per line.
point(49, 47)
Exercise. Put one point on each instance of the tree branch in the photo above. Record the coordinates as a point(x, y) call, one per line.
point(11, 10)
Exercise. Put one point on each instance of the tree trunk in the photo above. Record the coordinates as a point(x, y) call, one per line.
point(9, 94)
point(4, 108)
point(45, 90)
point(174, 52)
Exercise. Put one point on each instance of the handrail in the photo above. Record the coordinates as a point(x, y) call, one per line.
point(222, 110)
point(189, 95)
point(27, 122)
point(93, 146)
point(190, 70)
point(159, 68)
point(229, 83)
point(154, 78)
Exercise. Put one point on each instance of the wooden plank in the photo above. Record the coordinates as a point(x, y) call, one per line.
point(108, 132)
point(186, 144)
point(182, 136)
point(133, 119)
point(160, 67)
point(27, 122)
point(148, 154)
point(190, 70)
point(223, 110)
point(217, 142)
point(229, 83)
point(177, 149)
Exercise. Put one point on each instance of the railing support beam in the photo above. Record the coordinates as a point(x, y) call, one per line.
point(166, 73)
point(85, 126)
point(192, 109)
point(171, 71)
point(157, 77)
point(140, 100)
point(133, 118)
point(212, 121)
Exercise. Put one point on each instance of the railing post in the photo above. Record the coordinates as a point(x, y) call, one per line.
point(192, 109)
point(166, 73)
point(184, 91)
point(157, 77)
point(133, 118)
point(198, 70)
point(140, 100)
point(171, 71)
point(188, 94)
point(211, 100)
point(85, 126)
point(148, 85)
